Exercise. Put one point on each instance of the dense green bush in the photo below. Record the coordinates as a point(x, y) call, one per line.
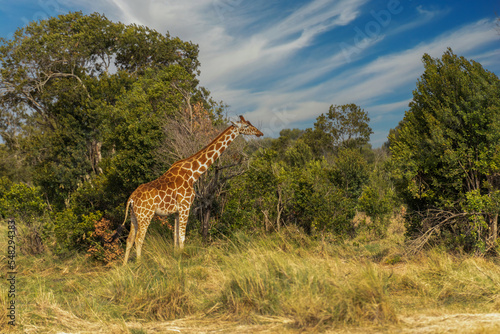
point(25, 204)
point(71, 231)
point(19, 200)
point(445, 153)
point(279, 194)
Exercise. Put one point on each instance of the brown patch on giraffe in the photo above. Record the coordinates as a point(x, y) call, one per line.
point(203, 159)
point(195, 165)
point(177, 182)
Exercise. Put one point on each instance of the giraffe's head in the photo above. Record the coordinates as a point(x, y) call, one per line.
point(246, 128)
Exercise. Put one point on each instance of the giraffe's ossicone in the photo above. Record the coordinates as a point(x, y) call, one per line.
point(173, 192)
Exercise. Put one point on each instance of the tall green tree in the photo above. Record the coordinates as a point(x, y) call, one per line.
point(446, 150)
point(344, 126)
point(63, 79)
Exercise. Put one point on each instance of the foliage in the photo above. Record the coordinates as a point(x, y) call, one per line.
point(71, 231)
point(378, 205)
point(378, 199)
point(260, 183)
point(25, 204)
point(282, 194)
point(345, 126)
point(445, 150)
point(18, 200)
point(318, 204)
point(12, 164)
point(350, 171)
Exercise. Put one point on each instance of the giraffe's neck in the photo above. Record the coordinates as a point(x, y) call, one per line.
point(202, 160)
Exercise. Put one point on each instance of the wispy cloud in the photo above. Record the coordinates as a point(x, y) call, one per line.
point(372, 84)
point(424, 16)
point(240, 59)
point(282, 63)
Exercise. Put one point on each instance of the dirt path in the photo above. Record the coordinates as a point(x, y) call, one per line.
point(450, 324)
point(487, 323)
point(454, 323)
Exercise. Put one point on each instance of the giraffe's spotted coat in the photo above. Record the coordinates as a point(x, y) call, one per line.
point(173, 192)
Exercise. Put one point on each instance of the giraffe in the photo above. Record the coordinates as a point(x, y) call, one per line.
point(173, 192)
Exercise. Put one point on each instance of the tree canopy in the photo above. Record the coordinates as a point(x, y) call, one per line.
point(343, 126)
point(446, 148)
point(76, 89)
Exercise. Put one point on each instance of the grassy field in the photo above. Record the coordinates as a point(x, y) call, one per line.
point(274, 283)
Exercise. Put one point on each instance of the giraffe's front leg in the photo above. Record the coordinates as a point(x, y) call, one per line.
point(183, 218)
point(184, 204)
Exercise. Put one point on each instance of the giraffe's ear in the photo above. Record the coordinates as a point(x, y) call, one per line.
point(238, 125)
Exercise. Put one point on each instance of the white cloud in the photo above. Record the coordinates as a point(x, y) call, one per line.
point(387, 74)
point(254, 59)
point(371, 84)
point(237, 59)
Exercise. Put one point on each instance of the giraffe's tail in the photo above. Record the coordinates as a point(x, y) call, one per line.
point(120, 228)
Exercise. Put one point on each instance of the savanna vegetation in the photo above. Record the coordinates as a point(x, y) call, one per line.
point(313, 230)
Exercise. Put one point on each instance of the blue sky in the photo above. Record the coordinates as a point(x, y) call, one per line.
point(283, 63)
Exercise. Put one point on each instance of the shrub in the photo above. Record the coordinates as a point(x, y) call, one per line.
point(19, 200)
point(25, 204)
point(100, 249)
point(72, 231)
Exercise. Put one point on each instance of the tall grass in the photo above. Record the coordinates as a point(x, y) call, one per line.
point(278, 275)
point(446, 282)
point(307, 283)
point(283, 276)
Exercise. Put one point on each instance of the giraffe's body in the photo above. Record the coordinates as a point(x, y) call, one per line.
point(173, 192)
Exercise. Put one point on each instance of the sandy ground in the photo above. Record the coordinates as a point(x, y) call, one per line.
point(453, 323)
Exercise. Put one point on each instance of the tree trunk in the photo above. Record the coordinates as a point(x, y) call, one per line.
point(267, 222)
point(95, 156)
point(493, 230)
point(205, 224)
point(278, 209)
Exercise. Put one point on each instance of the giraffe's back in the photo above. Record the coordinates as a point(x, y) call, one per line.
point(163, 195)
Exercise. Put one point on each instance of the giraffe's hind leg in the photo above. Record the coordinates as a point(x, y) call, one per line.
point(176, 231)
point(143, 224)
point(132, 235)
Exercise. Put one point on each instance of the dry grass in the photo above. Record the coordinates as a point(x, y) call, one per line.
point(284, 282)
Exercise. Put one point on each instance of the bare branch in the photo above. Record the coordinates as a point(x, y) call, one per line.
point(437, 219)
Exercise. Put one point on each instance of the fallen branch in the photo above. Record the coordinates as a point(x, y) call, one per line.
point(443, 218)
